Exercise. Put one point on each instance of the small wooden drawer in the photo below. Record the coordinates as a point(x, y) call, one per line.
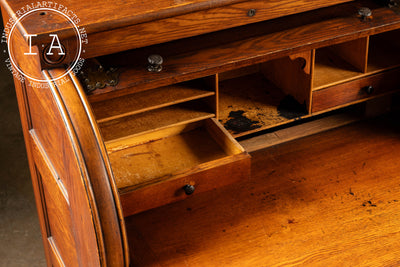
point(156, 167)
point(355, 91)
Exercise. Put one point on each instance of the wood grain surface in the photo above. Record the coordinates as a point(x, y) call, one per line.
point(243, 46)
point(259, 100)
point(353, 91)
point(153, 120)
point(331, 199)
point(106, 16)
point(149, 100)
point(153, 173)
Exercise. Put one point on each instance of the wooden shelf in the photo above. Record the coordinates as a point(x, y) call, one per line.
point(325, 200)
point(330, 69)
point(123, 128)
point(149, 100)
point(251, 103)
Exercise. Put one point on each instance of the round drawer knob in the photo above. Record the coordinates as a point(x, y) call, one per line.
point(189, 189)
point(155, 63)
point(364, 12)
point(369, 89)
point(251, 12)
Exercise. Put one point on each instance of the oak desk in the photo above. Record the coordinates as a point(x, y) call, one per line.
point(169, 145)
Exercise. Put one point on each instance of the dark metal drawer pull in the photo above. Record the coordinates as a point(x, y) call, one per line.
point(369, 89)
point(189, 189)
point(155, 63)
point(364, 13)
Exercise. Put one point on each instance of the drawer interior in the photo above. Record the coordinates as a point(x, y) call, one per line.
point(170, 152)
point(155, 168)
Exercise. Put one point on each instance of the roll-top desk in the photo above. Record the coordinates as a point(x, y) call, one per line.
point(169, 146)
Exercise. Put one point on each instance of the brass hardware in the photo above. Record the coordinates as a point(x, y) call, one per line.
point(95, 76)
point(189, 189)
point(364, 13)
point(251, 12)
point(155, 63)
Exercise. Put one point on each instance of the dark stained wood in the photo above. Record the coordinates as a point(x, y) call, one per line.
point(251, 44)
point(326, 200)
point(104, 21)
point(351, 92)
point(383, 51)
point(191, 24)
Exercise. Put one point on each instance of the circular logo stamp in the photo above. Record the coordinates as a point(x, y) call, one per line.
point(52, 48)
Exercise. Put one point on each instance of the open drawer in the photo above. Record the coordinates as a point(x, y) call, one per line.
point(173, 163)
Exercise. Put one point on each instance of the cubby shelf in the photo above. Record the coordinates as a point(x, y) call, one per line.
point(330, 69)
point(208, 54)
point(178, 126)
point(252, 103)
point(149, 100)
point(153, 120)
point(256, 97)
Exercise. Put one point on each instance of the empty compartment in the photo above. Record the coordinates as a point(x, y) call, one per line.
point(265, 95)
point(340, 63)
point(384, 51)
point(153, 170)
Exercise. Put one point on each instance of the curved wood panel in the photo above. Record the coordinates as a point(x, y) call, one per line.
point(99, 174)
point(81, 223)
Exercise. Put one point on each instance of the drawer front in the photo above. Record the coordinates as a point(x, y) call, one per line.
point(204, 178)
point(201, 157)
point(355, 91)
